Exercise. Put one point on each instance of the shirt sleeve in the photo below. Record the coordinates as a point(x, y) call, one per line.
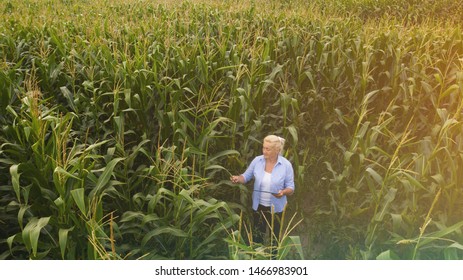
point(249, 173)
point(289, 178)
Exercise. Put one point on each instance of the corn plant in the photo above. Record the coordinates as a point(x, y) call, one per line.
point(288, 246)
point(121, 122)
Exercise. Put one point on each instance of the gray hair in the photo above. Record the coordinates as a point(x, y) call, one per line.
point(276, 142)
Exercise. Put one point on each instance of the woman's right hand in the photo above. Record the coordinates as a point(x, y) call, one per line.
point(236, 179)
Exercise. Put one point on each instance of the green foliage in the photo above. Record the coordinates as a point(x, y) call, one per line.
point(288, 246)
point(121, 122)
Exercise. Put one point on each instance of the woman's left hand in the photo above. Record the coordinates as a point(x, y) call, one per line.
point(283, 192)
point(280, 194)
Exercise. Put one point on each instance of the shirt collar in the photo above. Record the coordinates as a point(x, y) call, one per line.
point(279, 159)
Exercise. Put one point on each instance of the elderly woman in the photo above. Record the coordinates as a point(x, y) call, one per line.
point(273, 182)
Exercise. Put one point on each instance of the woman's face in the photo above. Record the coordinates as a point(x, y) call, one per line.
point(269, 151)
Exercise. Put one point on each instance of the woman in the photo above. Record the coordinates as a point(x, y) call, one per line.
point(273, 182)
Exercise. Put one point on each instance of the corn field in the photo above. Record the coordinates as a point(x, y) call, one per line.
point(122, 121)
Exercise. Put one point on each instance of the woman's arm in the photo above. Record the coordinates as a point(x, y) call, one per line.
point(289, 182)
point(246, 176)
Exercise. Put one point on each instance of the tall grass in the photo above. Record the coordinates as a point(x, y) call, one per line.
point(286, 246)
point(122, 120)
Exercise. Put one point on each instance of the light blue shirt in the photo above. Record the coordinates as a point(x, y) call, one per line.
point(282, 177)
